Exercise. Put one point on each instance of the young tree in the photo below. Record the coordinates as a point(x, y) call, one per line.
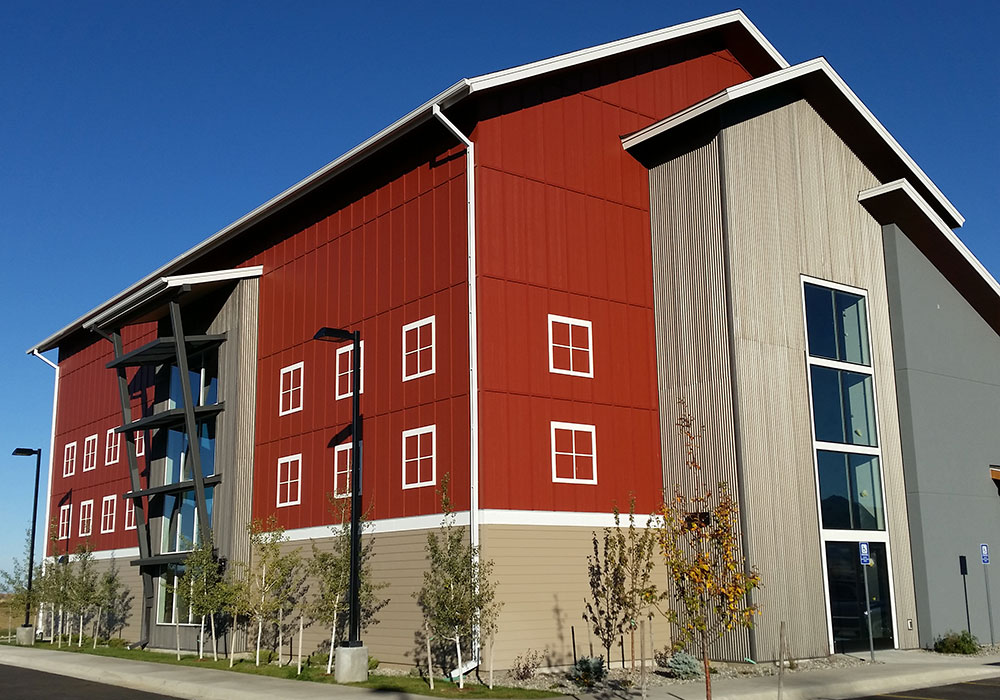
point(636, 547)
point(457, 585)
point(15, 581)
point(289, 594)
point(234, 596)
point(200, 582)
point(700, 542)
point(83, 586)
point(331, 572)
point(114, 602)
point(606, 572)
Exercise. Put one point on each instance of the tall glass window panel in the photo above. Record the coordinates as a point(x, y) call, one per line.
point(180, 530)
point(850, 491)
point(837, 325)
point(176, 466)
point(843, 406)
point(171, 599)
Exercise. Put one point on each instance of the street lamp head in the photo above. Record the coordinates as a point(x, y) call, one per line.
point(25, 452)
point(335, 335)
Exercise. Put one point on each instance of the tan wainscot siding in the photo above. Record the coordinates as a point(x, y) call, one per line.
point(132, 584)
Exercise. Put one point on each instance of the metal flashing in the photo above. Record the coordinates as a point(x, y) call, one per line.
point(445, 99)
point(817, 68)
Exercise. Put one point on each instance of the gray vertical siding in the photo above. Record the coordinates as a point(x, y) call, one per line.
point(777, 194)
point(791, 186)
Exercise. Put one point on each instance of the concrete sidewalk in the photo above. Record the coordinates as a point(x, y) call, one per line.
point(894, 672)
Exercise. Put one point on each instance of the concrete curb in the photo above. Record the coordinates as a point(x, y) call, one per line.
point(176, 681)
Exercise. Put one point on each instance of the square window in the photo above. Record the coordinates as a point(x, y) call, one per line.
point(570, 346)
point(289, 480)
point(345, 370)
point(113, 448)
point(140, 443)
point(109, 506)
point(65, 516)
point(86, 518)
point(418, 348)
point(290, 399)
point(90, 453)
point(129, 513)
point(574, 453)
point(420, 457)
point(69, 459)
point(342, 470)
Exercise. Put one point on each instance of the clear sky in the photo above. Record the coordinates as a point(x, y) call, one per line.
point(130, 131)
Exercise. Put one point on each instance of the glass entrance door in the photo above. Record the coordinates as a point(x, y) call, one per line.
point(847, 597)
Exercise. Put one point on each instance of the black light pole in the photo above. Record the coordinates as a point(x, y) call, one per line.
point(27, 452)
point(339, 335)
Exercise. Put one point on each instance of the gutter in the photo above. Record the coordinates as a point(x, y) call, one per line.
point(470, 184)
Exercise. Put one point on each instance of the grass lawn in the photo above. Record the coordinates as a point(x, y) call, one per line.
point(315, 671)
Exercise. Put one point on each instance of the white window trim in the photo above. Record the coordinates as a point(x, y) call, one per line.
point(65, 524)
point(432, 429)
point(86, 507)
point(112, 451)
point(281, 388)
point(361, 383)
point(90, 453)
point(140, 443)
point(417, 325)
point(836, 535)
point(283, 462)
point(553, 318)
point(107, 514)
point(69, 459)
point(575, 427)
point(129, 514)
point(347, 447)
point(160, 593)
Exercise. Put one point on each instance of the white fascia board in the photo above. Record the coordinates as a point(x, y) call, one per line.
point(904, 187)
point(784, 76)
point(595, 53)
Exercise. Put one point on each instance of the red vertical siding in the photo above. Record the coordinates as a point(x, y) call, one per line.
point(563, 228)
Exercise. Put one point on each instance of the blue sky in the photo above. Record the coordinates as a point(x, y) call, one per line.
point(130, 131)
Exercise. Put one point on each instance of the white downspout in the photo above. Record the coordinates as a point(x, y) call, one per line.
point(48, 487)
point(470, 185)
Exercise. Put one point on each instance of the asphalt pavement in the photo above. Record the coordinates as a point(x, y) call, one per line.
point(987, 689)
point(26, 684)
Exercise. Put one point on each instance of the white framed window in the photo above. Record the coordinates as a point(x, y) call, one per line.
point(345, 370)
point(90, 453)
point(113, 449)
point(342, 470)
point(289, 480)
point(129, 514)
point(171, 601)
point(418, 348)
point(109, 508)
point(86, 518)
point(420, 457)
point(140, 443)
point(571, 346)
point(69, 459)
point(290, 397)
point(574, 453)
point(65, 518)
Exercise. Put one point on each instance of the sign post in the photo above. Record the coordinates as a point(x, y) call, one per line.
point(984, 550)
point(864, 552)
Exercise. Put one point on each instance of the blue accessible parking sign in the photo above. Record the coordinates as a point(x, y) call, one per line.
point(985, 551)
point(865, 553)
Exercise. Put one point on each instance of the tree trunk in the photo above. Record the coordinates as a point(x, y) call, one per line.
point(201, 639)
point(97, 625)
point(177, 634)
point(491, 663)
point(430, 666)
point(260, 630)
point(704, 661)
point(329, 659)
point(79, 636)
point(215, 646)
point(232, 641)
point(631, 636)
point(281, 638)
point(61, 616)
point(458, 651)
point(301, 625)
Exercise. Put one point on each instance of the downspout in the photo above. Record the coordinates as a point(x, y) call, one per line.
point(470, 185)
point(48, 487)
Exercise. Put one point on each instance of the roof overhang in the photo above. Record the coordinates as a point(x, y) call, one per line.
point(817, 82)
point(899, 203)
point(141, 304)
point(735, 25)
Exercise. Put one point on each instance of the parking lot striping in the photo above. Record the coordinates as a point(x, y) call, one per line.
point(985, 682)
point(912, 697)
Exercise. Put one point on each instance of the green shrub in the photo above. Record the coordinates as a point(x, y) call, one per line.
point(117, 643)
point(588, 671)
point(684, 666)
point(956, 643)
point(372, 663)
